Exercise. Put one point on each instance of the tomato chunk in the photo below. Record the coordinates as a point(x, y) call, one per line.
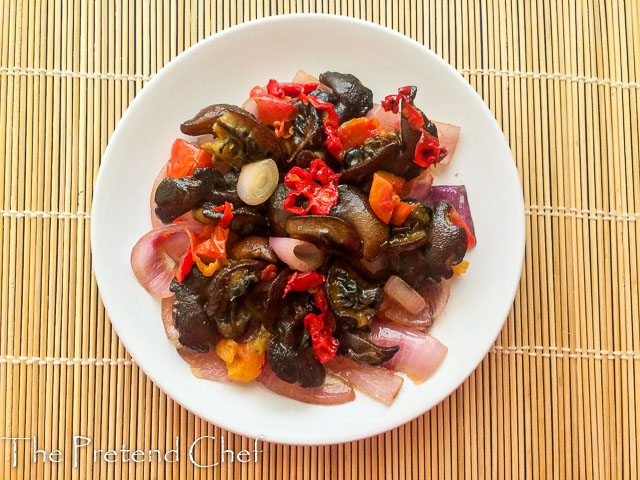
point(186, 158)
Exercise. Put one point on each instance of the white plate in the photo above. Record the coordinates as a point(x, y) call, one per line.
point(222, 69)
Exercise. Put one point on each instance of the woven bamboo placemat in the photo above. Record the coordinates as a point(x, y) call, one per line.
point(554, 398)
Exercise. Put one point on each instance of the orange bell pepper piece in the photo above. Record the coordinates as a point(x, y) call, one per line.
point(354, 132)
point(385, 201)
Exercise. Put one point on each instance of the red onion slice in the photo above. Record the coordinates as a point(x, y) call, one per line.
point(456, 195)
point(167, 318)
point(303, 77)
point(204, 139)
point(387, 121)
point(435, 295)
point(448, 137)
point(155, 221)
point(251, 106)
point(399, 291)
point(378, 382)
point(333, 392)
point(420, 354)
point(376, 265)
point(208, 366)
point(419, 187)
point(155, 257)
point(297, 254)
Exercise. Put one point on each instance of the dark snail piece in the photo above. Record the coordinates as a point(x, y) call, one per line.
point(355, 345)
point(328, 233)
point(447, 244)
point(177, 196)
point(276, 213)
point(202, 123)
point(353, 207)
point(352, 299)
point(352, 98)
point(241, 138)
point(413, 233)
point(445, 247)
point(230, 283)
point(308, 133)
point(246, 220)
point(375, 154)
point(195, 332)
point(252, 248)
point(290, 354)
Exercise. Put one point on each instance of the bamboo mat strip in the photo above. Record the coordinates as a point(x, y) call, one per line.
point(554, 398)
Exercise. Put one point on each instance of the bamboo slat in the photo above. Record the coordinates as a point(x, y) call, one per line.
point(556, 395)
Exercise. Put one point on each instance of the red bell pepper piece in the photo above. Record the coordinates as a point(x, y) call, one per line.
point(186, 158)
point(208, 248)
point(185, 267)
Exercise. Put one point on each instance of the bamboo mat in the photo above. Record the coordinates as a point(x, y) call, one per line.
point(556, 395)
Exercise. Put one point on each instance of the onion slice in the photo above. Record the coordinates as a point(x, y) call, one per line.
point(303, 77)
point(378, 382)
point(435, 295)
point(257, 181)
point(297, 254)
point(419, 187)
point(404, 295)
point(251, 106)
point(448, 137)
point(155, 257)
point(167, 318)
point(456, 195)
point(387, 121)
point(332, 392)
point(420, 354)
point(155, 221)
point(208, 366)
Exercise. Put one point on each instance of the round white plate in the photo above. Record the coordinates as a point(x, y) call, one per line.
point(223, 69)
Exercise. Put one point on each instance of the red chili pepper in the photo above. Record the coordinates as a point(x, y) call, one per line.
point(185, 267)
point(268, 273)
point(320, 327)
point(319, 185)
point(457, 219)
point(428, 150)
point(302, 281)
point(227, 216)
point(289, 89)
point(331, 124)
point(392, 103)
